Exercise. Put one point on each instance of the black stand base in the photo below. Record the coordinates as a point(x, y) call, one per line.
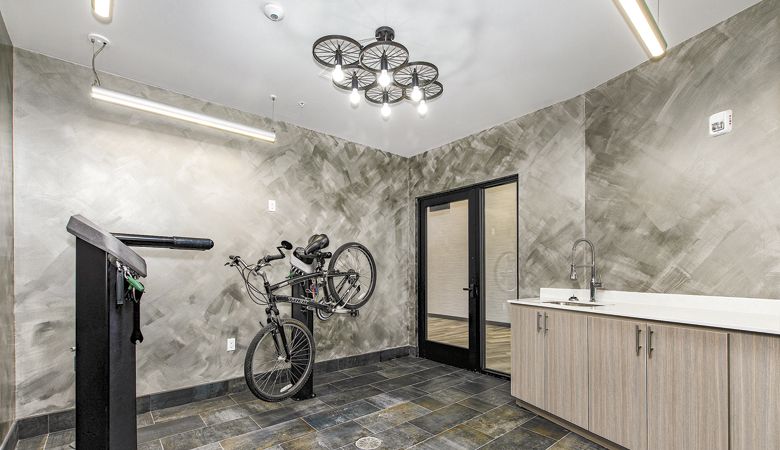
point(307, 317)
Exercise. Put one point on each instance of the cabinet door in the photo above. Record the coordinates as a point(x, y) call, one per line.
point(687, 389)
point(527, 355)
point(567, 366)
point(618, 381)
point(755, 391)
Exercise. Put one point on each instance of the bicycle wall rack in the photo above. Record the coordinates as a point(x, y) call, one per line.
point(106, 331)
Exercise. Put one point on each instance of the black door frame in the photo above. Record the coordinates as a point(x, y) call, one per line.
point(472, 358)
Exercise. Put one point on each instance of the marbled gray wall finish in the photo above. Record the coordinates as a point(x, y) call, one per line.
point(546, 150)
point(7, 360)
point(672, 209)
point(135, 172)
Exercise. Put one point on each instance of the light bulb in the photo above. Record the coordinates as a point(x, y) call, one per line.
point(422, 108)
point(386, 110)
point(416, 94)
point(354, 97)
point(338, 74)
point(384, 78)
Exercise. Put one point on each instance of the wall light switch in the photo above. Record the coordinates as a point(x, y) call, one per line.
point(721, 123)
point(231, 344)
point(271, 205)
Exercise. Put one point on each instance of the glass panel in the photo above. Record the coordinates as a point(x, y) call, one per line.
point(447, 273)
point(500, 278)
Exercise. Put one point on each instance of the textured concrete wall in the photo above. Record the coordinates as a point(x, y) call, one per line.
point(7, 388)
point(672, 209)
point(135, 172)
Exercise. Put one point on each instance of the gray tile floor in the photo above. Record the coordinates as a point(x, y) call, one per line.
point(406, 403)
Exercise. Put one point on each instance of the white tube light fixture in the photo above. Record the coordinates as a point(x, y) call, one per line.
point(102, 9)
point(643, 24)
point(143, 104)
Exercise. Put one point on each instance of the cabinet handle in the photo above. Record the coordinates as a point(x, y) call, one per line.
point(545, 323)
point(638, 337)
point(538, 323)
point(650, 347)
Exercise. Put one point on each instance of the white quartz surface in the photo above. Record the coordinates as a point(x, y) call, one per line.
point(743, 314)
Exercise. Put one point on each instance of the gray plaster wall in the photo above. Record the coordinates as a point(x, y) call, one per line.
point(7, 360)
point(139, 173)
point(671, 208)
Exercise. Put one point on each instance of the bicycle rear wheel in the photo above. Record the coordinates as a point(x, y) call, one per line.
point(269, 374)
point(352, 275)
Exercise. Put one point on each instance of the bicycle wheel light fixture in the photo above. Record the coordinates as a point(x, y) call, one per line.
point(641, 20)
point(381, 70)
point(100, 93)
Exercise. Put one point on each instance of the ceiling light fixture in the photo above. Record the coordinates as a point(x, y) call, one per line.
point(142, 104)
point(644, 26)
point(381, 69)
point(102, 9)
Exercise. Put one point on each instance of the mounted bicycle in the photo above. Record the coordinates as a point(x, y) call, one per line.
point(280, 358)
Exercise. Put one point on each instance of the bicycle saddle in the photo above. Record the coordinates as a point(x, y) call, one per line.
point(316, 243)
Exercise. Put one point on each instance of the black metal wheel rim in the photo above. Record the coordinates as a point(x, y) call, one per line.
point(325, 49)
point(375, 94)
point(371, 56)
point(431, 91)
point(365, 78)
point(427, 73)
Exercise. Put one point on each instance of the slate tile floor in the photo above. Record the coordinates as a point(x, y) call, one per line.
point(406, 403)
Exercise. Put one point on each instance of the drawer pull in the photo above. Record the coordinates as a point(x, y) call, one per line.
point(638, 340)
point(545, 324)
point(538, 322)
point(650, 347)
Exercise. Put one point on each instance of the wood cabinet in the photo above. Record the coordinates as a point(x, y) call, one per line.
point(550, 361)
point(566, 365)
point(687, 388)
point(528, 355)
point(754, 364)
point(618, 381)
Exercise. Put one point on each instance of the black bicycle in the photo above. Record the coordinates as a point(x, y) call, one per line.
point(280, 358)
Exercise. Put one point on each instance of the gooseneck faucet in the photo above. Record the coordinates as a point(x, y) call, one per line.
point(594, 283)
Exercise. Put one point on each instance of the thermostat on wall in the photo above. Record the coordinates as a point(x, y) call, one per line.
point(721, 123)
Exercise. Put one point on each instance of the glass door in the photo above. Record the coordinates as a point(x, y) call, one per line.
point(467, 270)
point(449, 281)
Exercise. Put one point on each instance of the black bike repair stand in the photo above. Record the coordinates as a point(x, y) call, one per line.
point(105, 325)
point(306, 316)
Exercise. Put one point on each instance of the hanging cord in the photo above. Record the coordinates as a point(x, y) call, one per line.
point(96, 81)
point(273, 112)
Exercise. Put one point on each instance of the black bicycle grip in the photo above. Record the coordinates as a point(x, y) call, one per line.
point(172, 242)
point(269, 258)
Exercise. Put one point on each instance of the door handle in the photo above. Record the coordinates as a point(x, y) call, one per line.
point(472, 289)
point(650, 347)
point(638, 337)
point(538, 322)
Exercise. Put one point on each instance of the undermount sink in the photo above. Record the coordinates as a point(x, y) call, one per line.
point(577, 304)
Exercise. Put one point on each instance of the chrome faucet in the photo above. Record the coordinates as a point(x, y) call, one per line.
point(594, 283)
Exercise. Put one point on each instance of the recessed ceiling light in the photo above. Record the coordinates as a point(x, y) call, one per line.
point(102, 9)
point(273, 11)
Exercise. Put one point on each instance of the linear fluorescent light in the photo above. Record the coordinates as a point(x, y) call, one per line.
point(143, 104)
point(642, 22)
point(102, 9)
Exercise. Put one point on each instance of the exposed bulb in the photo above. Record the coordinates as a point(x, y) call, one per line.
point(422, 108)
point(386, 110)
point(416, 94)
point(384, 78)
point(338, 74)
point(354, 97)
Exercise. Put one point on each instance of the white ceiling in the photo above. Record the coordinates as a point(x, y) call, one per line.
point(498, 59)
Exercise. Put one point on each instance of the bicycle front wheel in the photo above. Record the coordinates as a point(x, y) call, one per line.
point(352, 275)
point(270, 374)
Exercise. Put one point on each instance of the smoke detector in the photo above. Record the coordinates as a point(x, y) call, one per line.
point(274, 11)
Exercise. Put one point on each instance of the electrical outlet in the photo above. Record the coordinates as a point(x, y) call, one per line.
point(271, 205)
point(231, 344)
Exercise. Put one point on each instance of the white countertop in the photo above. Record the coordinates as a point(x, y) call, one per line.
point(743, 314)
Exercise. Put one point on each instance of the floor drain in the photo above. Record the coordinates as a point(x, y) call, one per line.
point(368, 443)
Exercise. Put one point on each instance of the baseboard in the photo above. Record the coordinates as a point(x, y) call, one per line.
point(11, 438)
point(62, 420)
